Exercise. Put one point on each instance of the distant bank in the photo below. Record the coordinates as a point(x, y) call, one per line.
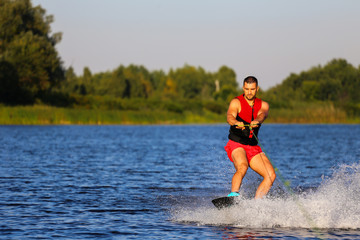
point(46, 115)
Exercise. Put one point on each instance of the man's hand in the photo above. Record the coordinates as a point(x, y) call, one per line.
point(254, 124)
point(240, 125)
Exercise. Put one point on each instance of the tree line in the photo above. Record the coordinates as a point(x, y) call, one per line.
point(337, 82)
point(134, 81)
point(31, 71)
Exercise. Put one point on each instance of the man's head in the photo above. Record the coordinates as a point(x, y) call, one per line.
point(251, 79)
point(250, 87)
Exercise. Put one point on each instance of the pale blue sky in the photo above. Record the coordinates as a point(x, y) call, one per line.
point(268, 39)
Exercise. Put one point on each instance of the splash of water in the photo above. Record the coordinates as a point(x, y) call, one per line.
point(334, 204)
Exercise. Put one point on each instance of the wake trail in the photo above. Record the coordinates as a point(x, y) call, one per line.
point(334, 204)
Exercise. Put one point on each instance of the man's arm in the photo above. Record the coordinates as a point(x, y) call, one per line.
point(262, 114)
point(234, 109)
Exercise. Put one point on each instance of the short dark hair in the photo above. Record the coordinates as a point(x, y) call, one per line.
point(250, 79)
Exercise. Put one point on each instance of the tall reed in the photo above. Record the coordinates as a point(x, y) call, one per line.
point(41, 114)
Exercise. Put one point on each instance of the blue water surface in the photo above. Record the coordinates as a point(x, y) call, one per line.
point(157, 182)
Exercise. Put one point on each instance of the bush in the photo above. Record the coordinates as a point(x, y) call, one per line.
point(174, 107)
point(216, 107)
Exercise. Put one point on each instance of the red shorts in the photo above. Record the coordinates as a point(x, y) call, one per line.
point(251, 151)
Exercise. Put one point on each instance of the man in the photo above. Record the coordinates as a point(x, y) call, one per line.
point(245, 115)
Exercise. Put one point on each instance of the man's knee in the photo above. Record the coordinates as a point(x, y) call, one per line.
point(241, 167)
point(240, 163)
point(270, 177)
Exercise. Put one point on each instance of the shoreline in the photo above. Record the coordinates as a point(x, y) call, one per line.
point(48, 115)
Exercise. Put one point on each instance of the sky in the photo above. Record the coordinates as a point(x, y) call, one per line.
point(267, 39)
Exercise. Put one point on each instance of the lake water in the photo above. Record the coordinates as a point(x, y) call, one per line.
point(157, 182)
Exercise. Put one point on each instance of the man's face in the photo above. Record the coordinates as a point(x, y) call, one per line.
point(250, 90)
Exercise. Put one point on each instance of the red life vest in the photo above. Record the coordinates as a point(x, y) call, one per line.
point(246, 115)
point(247, 112)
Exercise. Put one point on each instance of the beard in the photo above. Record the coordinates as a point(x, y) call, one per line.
point(250, 97)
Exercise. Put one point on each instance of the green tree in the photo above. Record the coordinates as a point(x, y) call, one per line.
point(9, 84)
point(27, 45)
point(87, 76)
point(226, 93)
point(311, 90)
point(70, 81)
point(85, 84)
point(226, 84)
point(226, 76)
point(337, 82)
point(158, 80)
point(131, 82)
point(101, 83)
point(139, 81)
point(190, 81)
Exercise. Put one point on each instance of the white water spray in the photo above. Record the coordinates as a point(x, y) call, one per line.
point(334, 204)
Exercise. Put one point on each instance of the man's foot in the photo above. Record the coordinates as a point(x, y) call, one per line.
point(233, 194)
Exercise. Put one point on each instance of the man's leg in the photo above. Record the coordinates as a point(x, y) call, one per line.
point(262, 165)
point(241, 166)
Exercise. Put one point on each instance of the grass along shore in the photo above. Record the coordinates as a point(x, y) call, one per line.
point(43, 115)
point(47, 115)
